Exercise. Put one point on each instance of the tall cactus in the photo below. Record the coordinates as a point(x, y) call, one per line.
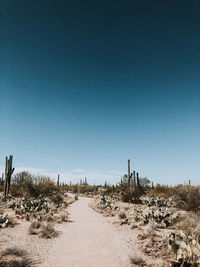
point(129, 176)
point(58, 180)
point(1, 180)
point(8, 173)
point(138, 180)
point(134, 180)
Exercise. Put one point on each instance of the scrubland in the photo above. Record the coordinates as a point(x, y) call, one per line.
point(159, 225)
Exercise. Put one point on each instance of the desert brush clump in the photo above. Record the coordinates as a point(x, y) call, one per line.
point(47, 231)
point(57, 199)
point(137, 260)
point(122, 215)
point(14, 257)
point(24, 183)
point(189, 198)
point(186, 197)
point(34, 228)
point(132, 194)
point(44, 229)
point(61, 217)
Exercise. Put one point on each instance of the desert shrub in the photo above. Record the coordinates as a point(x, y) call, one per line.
point(133, 226)
point(189, 198)
point(44, 186)
point(34, 228)
point(132, 194)
point(17, 191)
point(122, 215)
point(57, 199)
point(85, 189)
point(14, 257)
point(26, 183)
point(14, 251)
point(126, 196)
point(162, 191)
point(21, 182)
point(48, 231)
point(44, 230)
point(74, 188)
point(63, 217)
point(49, 218)
point(22, 179)
point(137, 260)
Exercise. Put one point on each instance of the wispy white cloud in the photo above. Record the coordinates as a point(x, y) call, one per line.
point(93, 176)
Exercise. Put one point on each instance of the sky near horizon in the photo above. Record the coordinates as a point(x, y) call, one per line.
point(86, 85)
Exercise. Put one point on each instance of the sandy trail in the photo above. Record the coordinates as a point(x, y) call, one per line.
point(87, 241)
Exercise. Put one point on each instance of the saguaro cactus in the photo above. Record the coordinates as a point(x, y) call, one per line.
point(134, 180)
point(138, 180)
point(1, 180)
point(8, 173)
point(58, 180)
point(129, 176)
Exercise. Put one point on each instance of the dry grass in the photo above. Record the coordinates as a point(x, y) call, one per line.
point(122, 215)
point(47, 231)
point(44, 230)
point(137, 260)
point(34, 228)
point(57, 199)
point(133, 226)
point(190, 225)
point(62, 217)
point(49, 218)
point(14, 257)
point(70, 201)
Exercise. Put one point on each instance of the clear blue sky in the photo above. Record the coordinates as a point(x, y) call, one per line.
point(85, 85)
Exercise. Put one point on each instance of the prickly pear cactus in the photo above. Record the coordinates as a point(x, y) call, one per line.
point(5, 221)
point(30, 205)
point(184, 246)
point(162, 218)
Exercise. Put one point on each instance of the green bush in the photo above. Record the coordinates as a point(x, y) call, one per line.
point(189, 198)
point(132, 194)
point(162, 191)
point(25, 183)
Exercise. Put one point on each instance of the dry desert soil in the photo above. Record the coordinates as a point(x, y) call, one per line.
point(87, 240)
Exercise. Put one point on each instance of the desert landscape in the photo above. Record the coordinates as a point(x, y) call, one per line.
point(99, 133)
point(132, 223)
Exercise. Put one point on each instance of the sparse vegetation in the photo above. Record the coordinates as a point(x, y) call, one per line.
point(164, 219)
point(14, 257)
point(44, 230)
point(122, 215)
point(25, 183)
point(35, 228)
point(47, 231)
point(137, 260)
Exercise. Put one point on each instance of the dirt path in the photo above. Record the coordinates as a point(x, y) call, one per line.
point(86, 241)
